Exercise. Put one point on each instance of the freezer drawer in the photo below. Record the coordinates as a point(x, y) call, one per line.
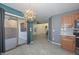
point(10, 43)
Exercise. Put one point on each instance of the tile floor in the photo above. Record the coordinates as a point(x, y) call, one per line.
point(39, 46)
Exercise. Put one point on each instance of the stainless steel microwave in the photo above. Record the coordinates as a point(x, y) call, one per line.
point(76, 23)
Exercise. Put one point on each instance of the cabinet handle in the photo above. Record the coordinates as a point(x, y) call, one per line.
point(74, 42)
point(77, 37)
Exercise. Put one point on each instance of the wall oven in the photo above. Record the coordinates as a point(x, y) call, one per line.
point(76, 33)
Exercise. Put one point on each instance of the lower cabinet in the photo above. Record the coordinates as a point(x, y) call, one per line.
point(68, 43)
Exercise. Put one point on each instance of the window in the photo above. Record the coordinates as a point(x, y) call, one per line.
point(23, 27)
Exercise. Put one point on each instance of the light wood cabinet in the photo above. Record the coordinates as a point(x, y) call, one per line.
point(76, 16)
point(69, 19)
point(68, 43)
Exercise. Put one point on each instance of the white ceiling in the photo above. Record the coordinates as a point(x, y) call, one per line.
point(45, 10)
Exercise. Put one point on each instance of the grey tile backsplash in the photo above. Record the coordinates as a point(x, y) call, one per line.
point(67, 31)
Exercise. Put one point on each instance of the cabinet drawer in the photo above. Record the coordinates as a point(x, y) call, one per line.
point(68, 43)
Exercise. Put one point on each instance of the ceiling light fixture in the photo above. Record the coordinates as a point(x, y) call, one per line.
point(30, 14)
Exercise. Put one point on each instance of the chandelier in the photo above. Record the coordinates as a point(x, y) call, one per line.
point(29, 13)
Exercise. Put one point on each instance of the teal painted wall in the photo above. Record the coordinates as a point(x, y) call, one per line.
point(29, 33)
point(11, 10)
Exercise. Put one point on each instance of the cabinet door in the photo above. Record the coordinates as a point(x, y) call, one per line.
point(64, 43)
point(62, 20)
point(66, 20)
point(76, 16)
point(68, 43)
point(72, 19)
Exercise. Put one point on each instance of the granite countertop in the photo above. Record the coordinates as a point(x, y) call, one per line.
point(67, 32)
point(67, 35)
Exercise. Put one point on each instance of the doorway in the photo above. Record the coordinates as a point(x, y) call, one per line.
point(40, 30)
point(22, 32)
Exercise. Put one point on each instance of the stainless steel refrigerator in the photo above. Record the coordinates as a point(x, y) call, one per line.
point(8, 31)
point(11, 32)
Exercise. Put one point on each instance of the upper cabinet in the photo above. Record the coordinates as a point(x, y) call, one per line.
point(68, 20)
point(76, 16)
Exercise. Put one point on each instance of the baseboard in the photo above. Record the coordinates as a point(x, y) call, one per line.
point(54, 43)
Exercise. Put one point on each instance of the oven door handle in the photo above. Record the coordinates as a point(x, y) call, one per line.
point(77, 37)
